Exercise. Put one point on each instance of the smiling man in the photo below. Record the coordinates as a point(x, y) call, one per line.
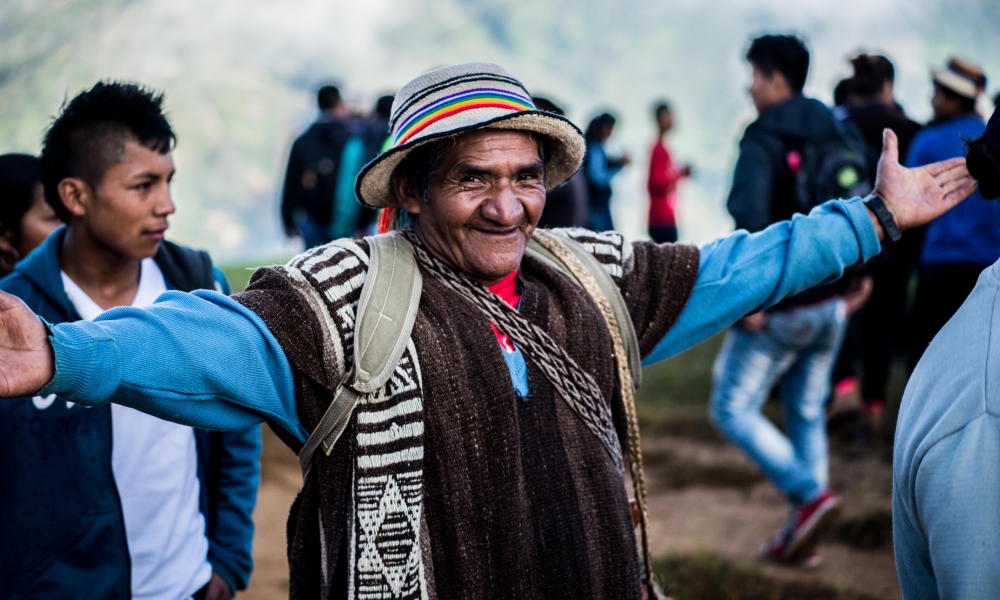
point(108, 502)
point(491, 464)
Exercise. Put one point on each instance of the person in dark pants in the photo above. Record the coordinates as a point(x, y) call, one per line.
point(311, 177)
point(964, 241)
point(600, 169)
point(566, 205)
point(664, 176)
point(877, 332)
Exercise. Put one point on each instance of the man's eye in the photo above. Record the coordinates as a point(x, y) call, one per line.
point(144, 187)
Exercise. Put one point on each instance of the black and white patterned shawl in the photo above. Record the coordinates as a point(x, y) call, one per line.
point(387, 531)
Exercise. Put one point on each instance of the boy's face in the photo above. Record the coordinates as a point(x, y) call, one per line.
point(129, 208)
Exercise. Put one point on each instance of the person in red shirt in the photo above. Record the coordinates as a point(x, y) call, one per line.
point(662, 185)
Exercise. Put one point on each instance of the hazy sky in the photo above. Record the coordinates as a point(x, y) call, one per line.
point(239, 77)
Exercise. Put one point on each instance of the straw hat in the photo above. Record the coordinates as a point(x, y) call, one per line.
point(462, 98)
point(962, 77)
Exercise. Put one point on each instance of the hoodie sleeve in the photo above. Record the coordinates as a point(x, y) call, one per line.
point(750, 198)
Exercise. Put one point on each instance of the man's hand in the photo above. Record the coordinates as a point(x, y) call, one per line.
point(26, 359)
point(920, 195)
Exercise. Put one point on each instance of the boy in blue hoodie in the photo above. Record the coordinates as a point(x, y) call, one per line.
point(110, 502)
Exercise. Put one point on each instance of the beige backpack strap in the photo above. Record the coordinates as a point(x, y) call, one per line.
point(584, 268)
point(537, 248)
point(383, 322)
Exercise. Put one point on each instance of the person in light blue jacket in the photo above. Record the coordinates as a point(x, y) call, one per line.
point(946, 471)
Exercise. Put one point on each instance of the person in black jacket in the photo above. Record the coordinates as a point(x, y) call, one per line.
point(113, 503)
point(872, 107)
point(566, 205)
point(794, 344)
point(311, 177)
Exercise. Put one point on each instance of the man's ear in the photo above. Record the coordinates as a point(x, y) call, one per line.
point(76, 195)
point(407, 195)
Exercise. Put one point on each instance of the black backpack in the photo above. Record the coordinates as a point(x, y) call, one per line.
point(836, 167)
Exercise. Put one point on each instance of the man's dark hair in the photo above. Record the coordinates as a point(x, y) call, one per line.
point(597, 126)
point(547, 105)
point(383, 108)
point(786, 54)
point(983, 161)
point(843, 91)
point(328, 97)
point(871, 72)
point(88, 137)
point(996, 101)
point(421, 165)
point(659, 107)
point(19, 174)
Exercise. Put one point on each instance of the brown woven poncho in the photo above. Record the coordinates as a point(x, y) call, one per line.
point(501, 497)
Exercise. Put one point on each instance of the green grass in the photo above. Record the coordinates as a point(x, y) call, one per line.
point(675, 392)
point(239, 275)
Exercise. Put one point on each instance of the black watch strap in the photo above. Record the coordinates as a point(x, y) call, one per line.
point(884, 216)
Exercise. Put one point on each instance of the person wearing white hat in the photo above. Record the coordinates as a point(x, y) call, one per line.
point(490, 462)
point(961, 243)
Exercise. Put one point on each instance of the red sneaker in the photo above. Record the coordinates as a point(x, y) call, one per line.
point(797, 540)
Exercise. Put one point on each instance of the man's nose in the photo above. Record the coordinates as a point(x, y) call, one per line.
point(503, 206)
point(164, 202)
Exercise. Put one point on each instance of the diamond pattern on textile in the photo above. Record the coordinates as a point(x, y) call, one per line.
point(390, 558)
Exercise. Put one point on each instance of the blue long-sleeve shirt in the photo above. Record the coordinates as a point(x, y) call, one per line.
point(228, 371)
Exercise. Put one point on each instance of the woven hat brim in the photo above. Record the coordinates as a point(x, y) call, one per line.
point(956, 83)
point(565, 152)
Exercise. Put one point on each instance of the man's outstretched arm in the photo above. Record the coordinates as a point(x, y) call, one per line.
point(200, 359)
point(744, 273)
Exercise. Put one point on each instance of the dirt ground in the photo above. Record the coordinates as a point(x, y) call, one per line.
point(709, 509)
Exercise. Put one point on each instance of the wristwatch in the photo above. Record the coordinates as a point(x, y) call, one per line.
point(884, 216)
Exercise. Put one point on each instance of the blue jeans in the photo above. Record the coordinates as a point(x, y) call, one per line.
point(797, 349)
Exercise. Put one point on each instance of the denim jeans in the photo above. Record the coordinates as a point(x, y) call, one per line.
point(797, 350)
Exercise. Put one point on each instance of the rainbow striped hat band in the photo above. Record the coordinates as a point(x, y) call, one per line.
point(461, 98)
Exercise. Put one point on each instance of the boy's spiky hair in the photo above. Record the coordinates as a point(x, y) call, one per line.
point(89, 135)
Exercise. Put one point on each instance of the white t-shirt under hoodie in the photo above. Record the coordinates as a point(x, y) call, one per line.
point(155, 466)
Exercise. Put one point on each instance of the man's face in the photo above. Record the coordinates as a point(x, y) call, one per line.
point(484, 203)
point(37, 223)
point(945, 106)
point(665, 120)
point(128, 210)
point(767, 91)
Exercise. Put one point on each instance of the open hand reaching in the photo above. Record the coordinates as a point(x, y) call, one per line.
point(26, 359)
point(920, 195)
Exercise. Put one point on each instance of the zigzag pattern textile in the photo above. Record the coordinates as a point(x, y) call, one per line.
point(572, 383)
